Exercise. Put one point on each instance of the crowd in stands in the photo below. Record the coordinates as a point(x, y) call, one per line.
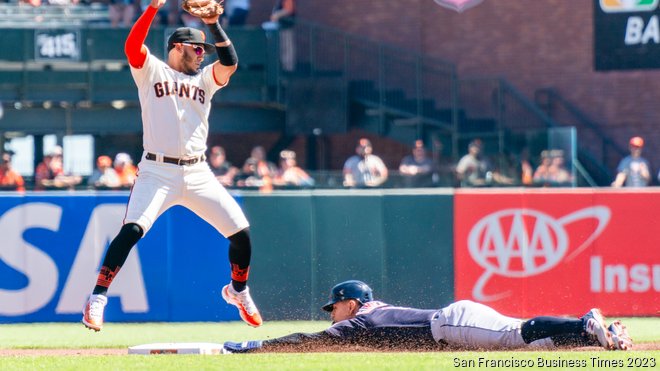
point(123, 13)
point(364, 169)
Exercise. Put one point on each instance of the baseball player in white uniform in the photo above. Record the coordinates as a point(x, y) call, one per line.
point(358, 319)
point(175, 97)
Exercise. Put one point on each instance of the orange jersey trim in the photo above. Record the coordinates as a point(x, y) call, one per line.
point(134, 47)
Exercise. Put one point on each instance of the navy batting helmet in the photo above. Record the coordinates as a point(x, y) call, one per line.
point(352, 289)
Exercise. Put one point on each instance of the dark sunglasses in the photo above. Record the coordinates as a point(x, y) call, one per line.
point(199, 50)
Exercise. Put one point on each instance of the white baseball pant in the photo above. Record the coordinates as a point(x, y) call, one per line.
point(160, 186)
point(471, 325)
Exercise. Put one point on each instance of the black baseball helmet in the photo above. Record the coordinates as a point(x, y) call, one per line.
point(352, 289)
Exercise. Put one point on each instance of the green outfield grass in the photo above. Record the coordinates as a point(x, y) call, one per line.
point(115, 335)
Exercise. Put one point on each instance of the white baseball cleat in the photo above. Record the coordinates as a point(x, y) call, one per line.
point(243, 301)
point(93, 312)
point(595, 326)
point(620, 336)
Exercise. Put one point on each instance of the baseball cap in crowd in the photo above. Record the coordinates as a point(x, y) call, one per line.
point(288, 155)
point(123, 158)
point(191, 36)
point(56, 151)
point(637, 142)
point(364, 142)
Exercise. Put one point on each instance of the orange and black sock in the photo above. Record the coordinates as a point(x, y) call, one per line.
point(116, 256)
point(106, 275)
point(240, 252)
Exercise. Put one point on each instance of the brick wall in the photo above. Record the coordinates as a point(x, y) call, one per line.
point(533, 44)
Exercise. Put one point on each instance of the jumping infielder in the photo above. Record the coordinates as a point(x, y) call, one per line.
point(359, 320)
point(175, 98)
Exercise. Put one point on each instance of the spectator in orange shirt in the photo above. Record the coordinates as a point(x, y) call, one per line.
point(9, 178)
point(125, 169)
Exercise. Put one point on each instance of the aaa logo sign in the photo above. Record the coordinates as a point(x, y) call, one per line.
point(557, 253)
point(524, 242)
point(625, 6)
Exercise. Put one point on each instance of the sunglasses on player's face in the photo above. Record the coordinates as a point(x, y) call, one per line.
point(199, 50)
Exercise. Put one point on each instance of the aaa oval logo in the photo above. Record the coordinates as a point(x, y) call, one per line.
point(525, 242)
point(518, 242)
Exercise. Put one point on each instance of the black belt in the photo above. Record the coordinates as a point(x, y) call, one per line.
point(176, 161)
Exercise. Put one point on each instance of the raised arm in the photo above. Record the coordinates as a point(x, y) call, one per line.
point(227, 58)
point(134, 48)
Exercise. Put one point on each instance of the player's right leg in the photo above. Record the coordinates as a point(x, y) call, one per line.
point(152, 194)
point(115, 257)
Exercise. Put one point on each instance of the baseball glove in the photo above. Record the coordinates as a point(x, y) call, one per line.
point(203, 8)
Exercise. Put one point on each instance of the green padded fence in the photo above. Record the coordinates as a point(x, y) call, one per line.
point(399, 242)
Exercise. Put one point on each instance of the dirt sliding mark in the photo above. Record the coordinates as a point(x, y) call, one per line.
point(331, 349)
point(64, 352)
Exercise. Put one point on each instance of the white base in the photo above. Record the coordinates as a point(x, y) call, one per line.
point(177, 348)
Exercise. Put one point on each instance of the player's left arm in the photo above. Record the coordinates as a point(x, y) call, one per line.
point(227, 59)
point(343, 332)
point(292, 342)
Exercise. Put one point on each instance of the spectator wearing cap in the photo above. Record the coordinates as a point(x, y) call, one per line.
point(290, 174)
point(474, 169)
point(633, 170)
point(558, 175)
point(257, 170)
point(50, 174)
point(364, 169)
point(104, 176)
point(221, 168)
point(10, 180)
point(48, 168)
point(542, 173)
point(126, 171)
point(417, 168)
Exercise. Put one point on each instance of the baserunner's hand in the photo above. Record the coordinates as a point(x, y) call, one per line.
point(243, 347)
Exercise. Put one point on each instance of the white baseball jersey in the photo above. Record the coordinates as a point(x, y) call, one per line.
point(175, 109)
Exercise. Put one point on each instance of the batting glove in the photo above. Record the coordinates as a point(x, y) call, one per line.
point(243, 347)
